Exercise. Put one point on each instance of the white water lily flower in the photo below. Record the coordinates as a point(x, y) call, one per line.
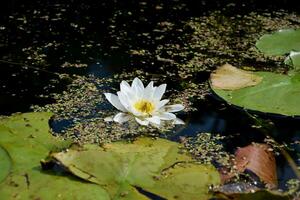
point(144, 104)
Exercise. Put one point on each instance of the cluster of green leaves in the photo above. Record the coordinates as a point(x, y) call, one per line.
point(24, 141)
point(282, 42)
point(276, 93)
point(120, 170)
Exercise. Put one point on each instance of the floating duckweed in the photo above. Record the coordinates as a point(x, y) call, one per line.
point(75, 65)
point(80, 100)
point(82, 109)
point(208, 42)
point(293, 186)
point(208, 148)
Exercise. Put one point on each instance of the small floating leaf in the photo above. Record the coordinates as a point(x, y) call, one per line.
point(280, 42)
point(228, 77)
point(293, 60)
point(277, 93)
point(154, 166)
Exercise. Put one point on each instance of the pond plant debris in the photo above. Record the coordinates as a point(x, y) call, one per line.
point(144, 104)
point(228, 77)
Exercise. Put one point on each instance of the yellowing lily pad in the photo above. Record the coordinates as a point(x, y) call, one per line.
point(277, 93)
point(154, 166)
point(25, 140)
point(280, 42)
point(228, 77)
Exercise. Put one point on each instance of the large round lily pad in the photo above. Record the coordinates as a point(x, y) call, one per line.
point(280, 42)
point(25, 140)
point(153, 166)
point(276, 93)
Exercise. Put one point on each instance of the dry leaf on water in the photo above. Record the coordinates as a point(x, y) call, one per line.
point(258, 159)
point(228, 77)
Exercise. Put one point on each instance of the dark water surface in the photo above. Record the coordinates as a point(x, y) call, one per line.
point(112, 28)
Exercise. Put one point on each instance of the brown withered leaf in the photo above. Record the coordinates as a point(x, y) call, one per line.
point(256, 158)
point(260, 160)
point(228, 77)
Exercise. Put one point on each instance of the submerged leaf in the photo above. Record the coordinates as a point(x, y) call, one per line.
point(25, 140)
point(258, 159)
point(228, 77)
point(280, 42)
point(154, 166)
point(277, 93)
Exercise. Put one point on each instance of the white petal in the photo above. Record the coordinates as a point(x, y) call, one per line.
point(161, 104)
point(174, 108)
point(154, 120)
point(124, 99)
point(108, 119)
point(150, 85)
point(158, 93)
point(178, 121)
point(115, 101)
point(137, 86)
point(149, 90)
point(128, 91)
point(121, 118)
point(128, 103)
point(167, 116)
point(125, 87)
point(141, 122)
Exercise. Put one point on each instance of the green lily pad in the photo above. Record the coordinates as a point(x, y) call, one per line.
point(276, 93)
point(5, 164)
point(154, 166)
point(280, 42)
point(24, 141)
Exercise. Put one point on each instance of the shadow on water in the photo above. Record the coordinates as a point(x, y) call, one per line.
point(22, 86)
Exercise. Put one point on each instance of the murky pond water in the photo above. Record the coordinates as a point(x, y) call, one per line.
point(61, 56)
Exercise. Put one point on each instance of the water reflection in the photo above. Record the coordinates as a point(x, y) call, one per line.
point(206, 122)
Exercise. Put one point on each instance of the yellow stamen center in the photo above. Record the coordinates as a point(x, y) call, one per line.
point(144, 106)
